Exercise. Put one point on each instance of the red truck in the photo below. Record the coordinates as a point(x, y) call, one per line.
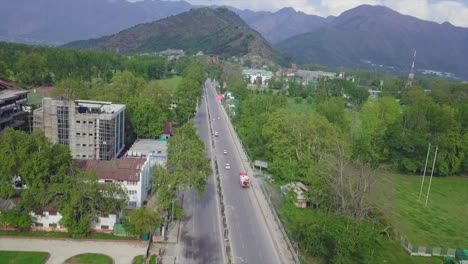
point(244, 179)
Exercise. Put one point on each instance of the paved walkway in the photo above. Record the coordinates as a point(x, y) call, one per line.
point(60, 250)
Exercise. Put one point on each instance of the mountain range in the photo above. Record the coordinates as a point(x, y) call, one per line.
point(384, 37)
point(363, 36)
point(213, 31)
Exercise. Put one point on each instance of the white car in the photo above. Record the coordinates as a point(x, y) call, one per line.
point(216, 134)
point(225, 152)
point(228, 167)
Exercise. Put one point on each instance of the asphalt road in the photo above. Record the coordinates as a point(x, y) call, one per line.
point(200, 239)
point(250, 240)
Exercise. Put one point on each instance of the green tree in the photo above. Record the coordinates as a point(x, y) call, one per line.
point(145, 219)
point(4, 71)
point(71, 89)
point(81, 200)
point(31, 69)
point(297, 142)
point(334, 110)
point(375, 117)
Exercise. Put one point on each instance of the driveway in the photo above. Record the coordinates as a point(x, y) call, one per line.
point(122, 252)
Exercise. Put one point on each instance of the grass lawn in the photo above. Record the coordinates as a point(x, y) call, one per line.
point(171, 83)
point(63, 235)
point(20, 257)
point(89, 258)
point(138, 260)
point(442, 223)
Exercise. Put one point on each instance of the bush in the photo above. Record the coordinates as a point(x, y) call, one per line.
point(332, 237)
point(298, 100)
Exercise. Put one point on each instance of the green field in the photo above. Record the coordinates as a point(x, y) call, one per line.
point(89, 258)
point(20, 257)
point(171, 83)
point(443, 223)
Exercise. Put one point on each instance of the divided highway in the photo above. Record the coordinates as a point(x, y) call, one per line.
point(200, 234)
point(249, 237)
point(251, 240)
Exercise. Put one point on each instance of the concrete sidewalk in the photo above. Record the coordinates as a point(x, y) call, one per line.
point(60, 250)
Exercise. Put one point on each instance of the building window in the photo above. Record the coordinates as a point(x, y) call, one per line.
point(78, 121)
point(78, 134)
point(132, 204)
point(52, 212)
point(104, 215)
point(53, 225)
point(38, 224)
point(91, 134)
point(132, 192)
point(107, 180)
point(104, 227)
point(77, 145)
point(84, 122)
point(84, 156)
point(84, 145)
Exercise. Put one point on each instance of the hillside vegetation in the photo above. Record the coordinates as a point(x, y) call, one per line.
point(212, 31)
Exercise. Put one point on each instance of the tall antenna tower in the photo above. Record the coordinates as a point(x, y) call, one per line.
point(410, 80)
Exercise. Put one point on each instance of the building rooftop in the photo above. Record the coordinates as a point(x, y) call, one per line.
point(145, 147)
point(124, 169)
point(257, 72)
point(98, 107)
point(9, 90)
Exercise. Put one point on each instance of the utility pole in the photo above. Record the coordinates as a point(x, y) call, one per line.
point(424, 174)
point(432, 172)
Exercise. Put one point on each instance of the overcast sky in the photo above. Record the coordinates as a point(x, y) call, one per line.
point(453, 11)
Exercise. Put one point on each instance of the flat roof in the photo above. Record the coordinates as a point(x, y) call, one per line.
point(145, 147)
point(106, 107)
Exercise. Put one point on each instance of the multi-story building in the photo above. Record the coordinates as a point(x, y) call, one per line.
point(92, 129)
point(12, 100)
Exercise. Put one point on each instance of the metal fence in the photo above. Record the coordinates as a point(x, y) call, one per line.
point(422, 251)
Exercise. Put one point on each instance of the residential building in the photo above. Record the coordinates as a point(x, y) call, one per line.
point(12, 101)
point(257, 76)
point(134, 175)
point(49, 218)
point(314, 76)
point(92, 129)
point(299, 189)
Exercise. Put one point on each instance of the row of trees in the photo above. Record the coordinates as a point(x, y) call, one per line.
point(187, 166)
point(42, 174)
point(32, 66)
point(322, 90)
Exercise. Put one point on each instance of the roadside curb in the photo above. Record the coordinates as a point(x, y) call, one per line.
point(78, 240)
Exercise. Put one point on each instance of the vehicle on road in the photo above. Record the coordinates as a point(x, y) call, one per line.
point(244, 179)
point(216, 133)
point(225, 152)
point(228, 167)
